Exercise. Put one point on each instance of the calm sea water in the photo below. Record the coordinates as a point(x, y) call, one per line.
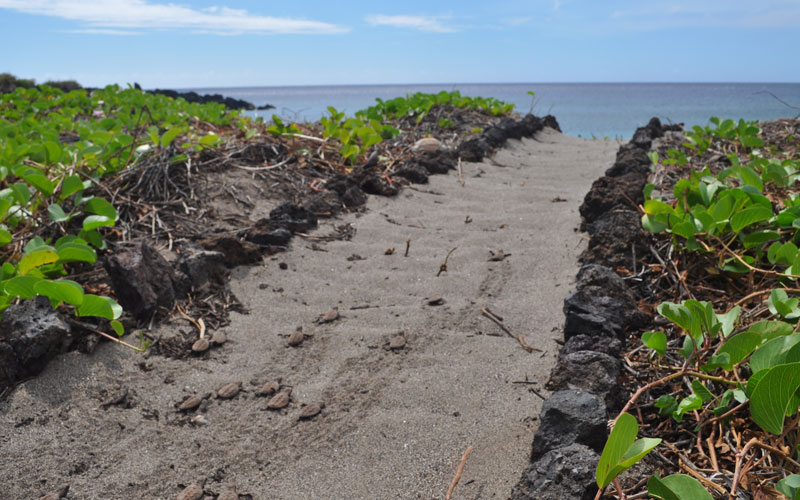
point(582, 109)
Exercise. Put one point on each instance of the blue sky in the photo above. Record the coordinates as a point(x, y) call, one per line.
point(163, 43)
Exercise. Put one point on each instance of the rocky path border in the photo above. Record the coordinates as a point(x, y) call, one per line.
point(598, 316)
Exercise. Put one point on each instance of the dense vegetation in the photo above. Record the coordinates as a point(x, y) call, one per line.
point(58, 149)
point(734, 231)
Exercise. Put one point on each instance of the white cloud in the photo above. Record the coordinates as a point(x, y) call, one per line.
point(711, 13)
point(102, 31)
point(517, 21)
point(144, 14)
point(420, 23)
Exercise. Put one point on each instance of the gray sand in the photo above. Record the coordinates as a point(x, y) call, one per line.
point(395, 422)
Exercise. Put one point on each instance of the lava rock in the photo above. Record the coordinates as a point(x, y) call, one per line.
point(31, 334)
point(292, 217)
point(630, 159)
point(261, 234)
point(190, 96)
point(550, 121)
point(591, 371)
point(511, 128)
point(643, 137)
point(612, 236)
point(262, 152)
point(373, 184)
point(592, 312)
point(532, 124)
point(570, 416)
point(354, 197)
point(567, 472)
point(474, 149)
point(237, 251)
point(495, 136)
point(608, 345)
point(143, 281)
point(198, 269)
point(597, 277)
point(438, 162)
point(609, 193)
point(414, 172)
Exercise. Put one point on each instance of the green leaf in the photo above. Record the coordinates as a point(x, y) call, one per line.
point(769, 330)
point(22, 286)
point(655, 207)
point(676, 313)
point(21, 192)
point(74, 251)
point(653, 224)
point(170, 136)
point(749, 216)
point(789, 485)
point(780, 303)
point(95, 221)
point(210, 139)
point(751, 177)
point(727, 321)
point(701, 390)
point(36, 259)
point(60, 291)
point(53, 151)
point(769, 400)
point(56, 213)
point(117, 326)
point(5, 237)
point(40, 182)
point(656, 341)
point(620, 451)
point(71, 185)
point(103, 307)
point(102, 207)
point(677, 487)
point(774, 352)
point(737, 348)
point(689, 403)
point(100, 137)
point(758, 238)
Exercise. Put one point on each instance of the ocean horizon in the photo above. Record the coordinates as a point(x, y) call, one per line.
point(611, 110)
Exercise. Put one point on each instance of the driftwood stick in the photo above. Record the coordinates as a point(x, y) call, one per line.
point(499, 322)
point(443, 266)
point(460, 178)
point(459, 471)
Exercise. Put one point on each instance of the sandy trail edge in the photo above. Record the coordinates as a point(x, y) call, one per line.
point(395, 422)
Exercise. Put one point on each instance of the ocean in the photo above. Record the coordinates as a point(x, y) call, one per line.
point(600, 110)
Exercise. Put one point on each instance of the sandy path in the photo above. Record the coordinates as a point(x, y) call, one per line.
point(395, 422)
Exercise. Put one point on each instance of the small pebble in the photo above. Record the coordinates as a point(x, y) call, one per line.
point(229, 493)
point(435, 300)
point(199, 420)
point(397, 342)
point(201, 345)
